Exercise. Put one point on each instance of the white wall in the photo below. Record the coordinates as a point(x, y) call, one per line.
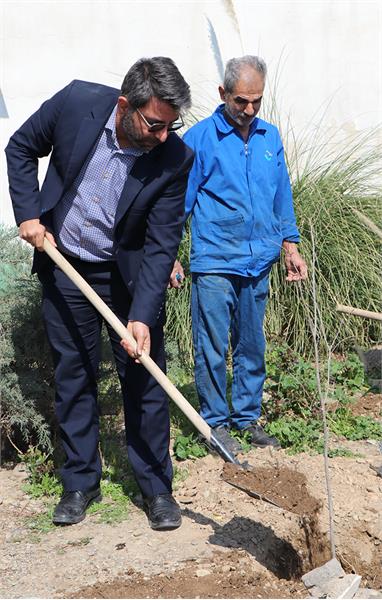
point(328, 50)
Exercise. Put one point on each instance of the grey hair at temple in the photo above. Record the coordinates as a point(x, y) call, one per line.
point(235, 65)
point(156, 77)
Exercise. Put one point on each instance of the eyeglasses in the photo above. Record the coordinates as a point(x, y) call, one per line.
point(157, 126)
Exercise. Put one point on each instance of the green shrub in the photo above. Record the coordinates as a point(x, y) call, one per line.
point(26, 382)
point(291, 386)
point(26, 373)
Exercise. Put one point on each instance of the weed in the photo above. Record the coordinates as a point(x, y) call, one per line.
point(48, 485)
point(352, 427)
point(243, 437)
point(344, 452)
point(40, 524)
point(304, 435)
point(42, 482)
point(115, 506)
point(187, 446)
point(297, 434)
point(180, 475)
point(81, 542)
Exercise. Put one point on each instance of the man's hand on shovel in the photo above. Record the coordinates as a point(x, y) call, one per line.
point(141, 334)
point(33, 232)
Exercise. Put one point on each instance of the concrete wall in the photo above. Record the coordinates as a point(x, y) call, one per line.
point(324, 54)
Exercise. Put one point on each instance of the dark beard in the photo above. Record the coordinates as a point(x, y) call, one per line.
point(134, 137)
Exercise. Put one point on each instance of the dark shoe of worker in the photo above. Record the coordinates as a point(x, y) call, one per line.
point(72, 507)
point(222, 435)
point(257, 437)
point(163, 512)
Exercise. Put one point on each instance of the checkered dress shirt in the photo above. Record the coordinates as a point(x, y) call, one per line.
point(84, 218)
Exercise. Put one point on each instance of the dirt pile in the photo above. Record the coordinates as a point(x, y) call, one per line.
point(284, 487)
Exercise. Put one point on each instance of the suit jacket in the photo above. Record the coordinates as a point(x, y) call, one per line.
point(150, 213)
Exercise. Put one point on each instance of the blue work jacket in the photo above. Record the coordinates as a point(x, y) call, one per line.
point(239, 196)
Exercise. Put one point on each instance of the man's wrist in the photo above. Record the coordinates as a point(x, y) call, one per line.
point(290, 247)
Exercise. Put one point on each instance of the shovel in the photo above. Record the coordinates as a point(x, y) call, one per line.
point(188, 410)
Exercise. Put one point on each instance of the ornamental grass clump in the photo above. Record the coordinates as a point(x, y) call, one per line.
point(347, 254)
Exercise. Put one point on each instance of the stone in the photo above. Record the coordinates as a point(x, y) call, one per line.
point(321, 575)
point(374, 529)
point(368, 593)
point(343, 587)
point(202, 572)
point(225, 569)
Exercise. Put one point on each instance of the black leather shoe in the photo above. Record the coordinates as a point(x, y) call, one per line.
point(163, 512)
point(72, 507)
point(257, 437)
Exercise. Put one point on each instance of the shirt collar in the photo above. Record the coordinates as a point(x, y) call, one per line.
point(110, 127)
point(258, 125)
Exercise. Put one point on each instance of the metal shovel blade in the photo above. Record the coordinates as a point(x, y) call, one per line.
point(230, 458)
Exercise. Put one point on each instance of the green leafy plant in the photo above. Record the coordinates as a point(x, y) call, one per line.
point(187, 446)
point(42, 481)
point(352, 427)
point(349, 373)
point(297, 434)
point(180, 475)
point(243, 437)
point(291, 386)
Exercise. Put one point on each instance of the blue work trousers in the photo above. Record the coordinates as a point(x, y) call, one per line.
point(225, 305)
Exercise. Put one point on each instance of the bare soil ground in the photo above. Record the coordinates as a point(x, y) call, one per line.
point(230, 545)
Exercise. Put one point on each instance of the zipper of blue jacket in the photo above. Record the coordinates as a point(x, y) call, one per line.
point(247, 154)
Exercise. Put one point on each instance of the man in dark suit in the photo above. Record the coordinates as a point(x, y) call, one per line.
point(113, 202)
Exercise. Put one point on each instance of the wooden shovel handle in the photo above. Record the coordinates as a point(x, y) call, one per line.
point(122, 331)
point(359, 312)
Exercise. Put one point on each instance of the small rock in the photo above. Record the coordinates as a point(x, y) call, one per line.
point(321, 575)
point(368, 593)
point(120, 546)
point(185, 500)
point(19, 468)
point(372, 489)
point(374, 529)
point(343, 587)
point(202, 572)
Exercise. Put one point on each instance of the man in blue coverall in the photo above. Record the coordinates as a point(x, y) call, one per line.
point(240, 199)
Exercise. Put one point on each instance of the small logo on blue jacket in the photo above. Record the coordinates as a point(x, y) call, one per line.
point(268, 155)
